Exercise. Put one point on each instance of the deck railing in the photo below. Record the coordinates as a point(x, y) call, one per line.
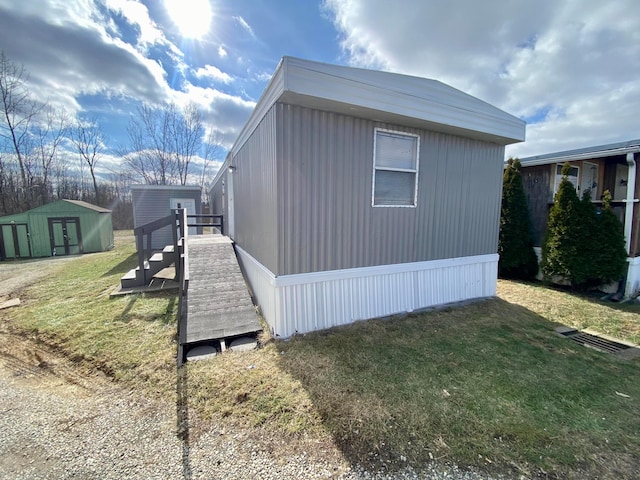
point(200, 220)
point(182, 268)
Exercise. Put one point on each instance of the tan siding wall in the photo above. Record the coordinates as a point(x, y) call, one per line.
point(254, 186)
point(324, 192)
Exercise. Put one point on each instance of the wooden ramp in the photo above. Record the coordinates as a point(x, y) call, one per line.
point(218, 305)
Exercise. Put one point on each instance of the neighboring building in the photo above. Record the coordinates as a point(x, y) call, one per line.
point(605, 167)
point(352, 194)
point(64, 227)
point(152, 202)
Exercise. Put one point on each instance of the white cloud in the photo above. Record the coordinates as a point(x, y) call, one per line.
point(68, 54)
point(214, 73)
point(222, 53)
point(221, 111)
point(243, 23)
point(137, 14)
point(571, 67)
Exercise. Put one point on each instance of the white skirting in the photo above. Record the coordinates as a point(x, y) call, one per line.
point(312, 301)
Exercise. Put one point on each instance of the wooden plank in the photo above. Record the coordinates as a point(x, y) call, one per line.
point(219, 305)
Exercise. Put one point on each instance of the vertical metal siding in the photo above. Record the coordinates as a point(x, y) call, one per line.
point(325, 217)
point(254, 186)
point(150, 204)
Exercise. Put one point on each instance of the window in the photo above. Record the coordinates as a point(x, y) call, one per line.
point(395, 169)
point(572, 177)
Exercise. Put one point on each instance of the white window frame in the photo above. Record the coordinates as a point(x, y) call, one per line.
point(558, 177)
point(389, 169)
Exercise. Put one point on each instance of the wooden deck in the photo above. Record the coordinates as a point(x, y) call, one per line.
point(219, 305)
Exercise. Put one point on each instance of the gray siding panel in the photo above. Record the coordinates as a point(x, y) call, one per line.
point(254, 186)
point(326, 221)
point(151, 203)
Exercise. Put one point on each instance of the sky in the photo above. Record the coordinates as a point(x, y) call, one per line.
point(570, 68)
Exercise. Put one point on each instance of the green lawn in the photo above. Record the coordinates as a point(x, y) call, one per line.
point(489, 384)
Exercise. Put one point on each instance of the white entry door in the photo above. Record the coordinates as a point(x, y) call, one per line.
point(190, 205)
point(231, 227)
point(589, 179)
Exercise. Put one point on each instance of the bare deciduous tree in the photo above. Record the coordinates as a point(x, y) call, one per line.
point(163, 142)
point(48, 135)
point(19, 111)
point(212, 150)
point(89, 141)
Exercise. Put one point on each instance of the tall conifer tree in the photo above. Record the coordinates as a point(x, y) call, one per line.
point(515, 244)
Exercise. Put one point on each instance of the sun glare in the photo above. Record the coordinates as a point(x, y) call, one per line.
point(192, 17)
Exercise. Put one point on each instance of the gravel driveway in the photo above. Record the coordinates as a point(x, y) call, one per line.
point(57, 423)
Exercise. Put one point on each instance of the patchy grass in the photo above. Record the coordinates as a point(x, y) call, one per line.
point(130, 338)
point(488, 385)
point(621, 320)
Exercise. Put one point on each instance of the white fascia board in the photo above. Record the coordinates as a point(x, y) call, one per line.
point(275, 88)
point(582, 154)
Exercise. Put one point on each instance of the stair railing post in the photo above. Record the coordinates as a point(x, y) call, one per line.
point(140, 249)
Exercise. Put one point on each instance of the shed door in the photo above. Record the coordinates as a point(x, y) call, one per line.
point(190, 205)
point(15, 241)
point(65, 236)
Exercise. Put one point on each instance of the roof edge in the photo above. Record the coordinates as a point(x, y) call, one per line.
point(598, 151)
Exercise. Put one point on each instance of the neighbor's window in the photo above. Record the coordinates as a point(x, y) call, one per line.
point(572, 177)
point(395, 169)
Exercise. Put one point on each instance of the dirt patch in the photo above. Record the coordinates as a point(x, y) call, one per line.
point(18, 274)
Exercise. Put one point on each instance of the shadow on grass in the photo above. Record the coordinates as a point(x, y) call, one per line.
point(182, 416)
point(488, 385)
point(124, 266)
point(124, 316)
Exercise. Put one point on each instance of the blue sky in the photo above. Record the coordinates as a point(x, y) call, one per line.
point(570, 68)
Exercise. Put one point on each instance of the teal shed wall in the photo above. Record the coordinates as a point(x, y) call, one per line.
point(96, 228)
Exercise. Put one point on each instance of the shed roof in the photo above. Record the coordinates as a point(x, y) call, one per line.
point(598, 151)
point(61, 205)
point(89, 206)
point(384, 96)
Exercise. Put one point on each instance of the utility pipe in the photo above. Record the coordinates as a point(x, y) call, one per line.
point(629, 201)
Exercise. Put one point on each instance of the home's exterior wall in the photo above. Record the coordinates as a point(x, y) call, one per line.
point(325, 218)
point(217, 199)
point(255, 193)
point(152, 202)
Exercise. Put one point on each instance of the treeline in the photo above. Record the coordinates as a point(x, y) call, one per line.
point(46, 154)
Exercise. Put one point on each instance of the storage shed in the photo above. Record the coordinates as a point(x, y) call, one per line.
point(64, 227)
point(152, 202)
point(352, 194)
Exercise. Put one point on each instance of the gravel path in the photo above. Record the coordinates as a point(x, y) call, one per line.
point(56, 423)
